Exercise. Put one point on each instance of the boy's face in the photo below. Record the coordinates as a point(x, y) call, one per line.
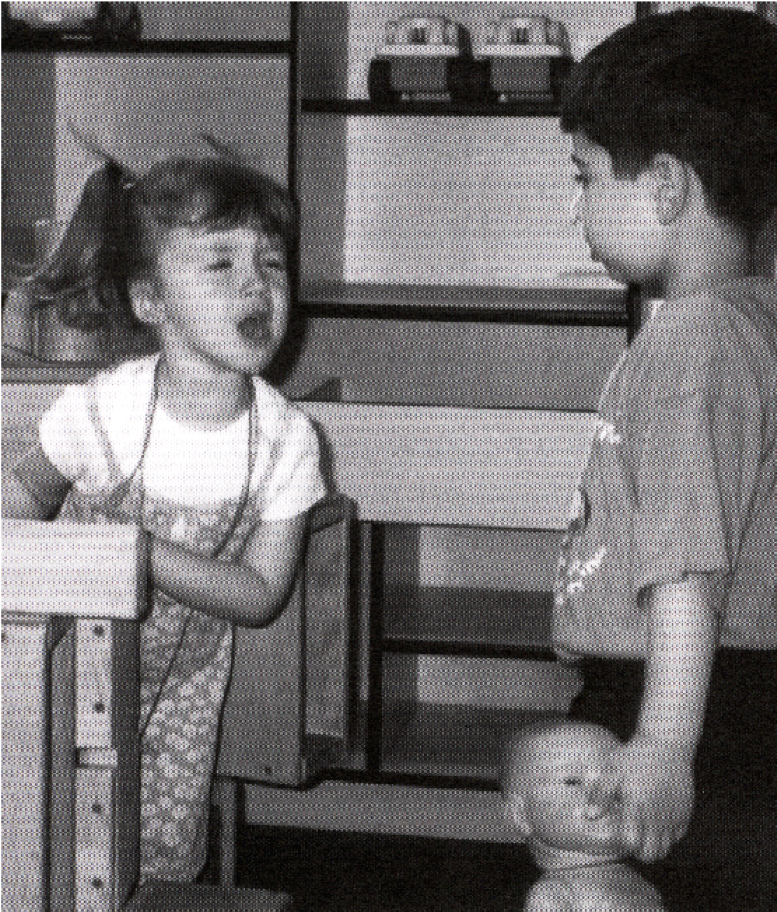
point(222, 296)
point(558, 772)
point(617, 215)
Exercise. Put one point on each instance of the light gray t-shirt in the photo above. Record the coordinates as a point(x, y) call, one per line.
point(681, 477)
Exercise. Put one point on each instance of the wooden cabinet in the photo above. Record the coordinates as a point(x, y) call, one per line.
point(455, 216)
point(435, 210)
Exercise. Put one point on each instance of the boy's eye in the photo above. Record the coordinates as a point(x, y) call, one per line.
point(220, 264)
point(573, 781)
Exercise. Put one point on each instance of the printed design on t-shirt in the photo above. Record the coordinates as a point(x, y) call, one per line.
point(572, 572)
point(199, 528)
point(605, 432)
point(582, 554)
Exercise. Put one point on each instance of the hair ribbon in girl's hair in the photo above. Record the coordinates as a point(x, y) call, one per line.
point(91, 145)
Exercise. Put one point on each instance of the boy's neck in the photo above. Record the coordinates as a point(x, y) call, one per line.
point(552, 858)
point(712, 254)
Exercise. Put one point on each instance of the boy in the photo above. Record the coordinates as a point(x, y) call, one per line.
point(548, 770)
point(674, 551)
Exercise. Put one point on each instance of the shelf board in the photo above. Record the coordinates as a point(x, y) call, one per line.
point(435, 744)
point(361, 107)
point(457, 744)
point(562, 306)
point(52, 42)
point(457, 621)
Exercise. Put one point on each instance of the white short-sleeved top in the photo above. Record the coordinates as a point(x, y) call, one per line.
point(93, 435)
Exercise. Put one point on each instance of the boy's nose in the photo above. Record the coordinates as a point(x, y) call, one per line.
point(574, 209)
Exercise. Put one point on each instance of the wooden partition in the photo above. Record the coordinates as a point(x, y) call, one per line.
point(71, 597)
point(286, 712)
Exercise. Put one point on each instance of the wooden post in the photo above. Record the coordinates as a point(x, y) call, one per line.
point(70, 715)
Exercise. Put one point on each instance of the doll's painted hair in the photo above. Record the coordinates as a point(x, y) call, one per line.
point(120, 222)
point(698, 84)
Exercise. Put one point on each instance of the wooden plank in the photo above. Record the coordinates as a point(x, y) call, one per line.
point(107, 738)
point(457, 620)
point(24, 764)
point(63, 773)
point(263, 721)
point(90, 570)
point(94, 683)
point(506, 468)
point(452, 466)
point(391, 810)
point(94, 848)
point(328, 628)
point(174, 897)
point(126, 741)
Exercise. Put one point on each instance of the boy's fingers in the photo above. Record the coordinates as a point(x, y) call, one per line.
point(632, 828)
point(605, 788)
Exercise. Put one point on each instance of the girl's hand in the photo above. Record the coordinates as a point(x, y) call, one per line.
point(654, 780)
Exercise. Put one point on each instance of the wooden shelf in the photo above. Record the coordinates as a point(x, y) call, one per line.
point(50, 42)
point(555, 306)
point(457, 621)
point(360, 107)
point(452, 743)
point(435, 744)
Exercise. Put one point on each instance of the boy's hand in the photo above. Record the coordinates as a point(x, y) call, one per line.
point(654, 780)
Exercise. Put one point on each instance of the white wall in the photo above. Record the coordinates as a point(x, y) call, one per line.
point(142, 108)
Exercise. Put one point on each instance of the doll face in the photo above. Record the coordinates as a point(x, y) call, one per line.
point(558, 773)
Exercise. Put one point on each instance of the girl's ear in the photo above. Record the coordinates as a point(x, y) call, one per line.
point(145, 304)
point(672, 186)
point(515, 812)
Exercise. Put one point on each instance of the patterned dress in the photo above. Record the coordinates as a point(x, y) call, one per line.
point(185, 662)
point(185, 655)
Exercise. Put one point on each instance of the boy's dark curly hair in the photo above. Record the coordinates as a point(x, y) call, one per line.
point(699, 84)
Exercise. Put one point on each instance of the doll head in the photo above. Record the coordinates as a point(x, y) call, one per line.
point(548, 772)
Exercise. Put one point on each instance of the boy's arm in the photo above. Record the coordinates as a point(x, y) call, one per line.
point(654, 771)
point(251, 591)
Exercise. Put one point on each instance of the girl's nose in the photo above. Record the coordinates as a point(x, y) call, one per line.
point(257, 280)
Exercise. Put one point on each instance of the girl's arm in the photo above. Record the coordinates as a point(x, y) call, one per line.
point(34, 489)
point(250, 592)
point(654, 771)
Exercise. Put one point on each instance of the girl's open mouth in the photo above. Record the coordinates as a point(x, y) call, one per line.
point(255, 328)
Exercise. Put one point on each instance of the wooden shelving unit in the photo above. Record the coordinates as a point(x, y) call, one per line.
point(359, 168)
point(361, 107)
point(608, 307)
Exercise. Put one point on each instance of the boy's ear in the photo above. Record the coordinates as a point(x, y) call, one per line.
point(672, 184)
point(144, 302)
point(515, 812)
